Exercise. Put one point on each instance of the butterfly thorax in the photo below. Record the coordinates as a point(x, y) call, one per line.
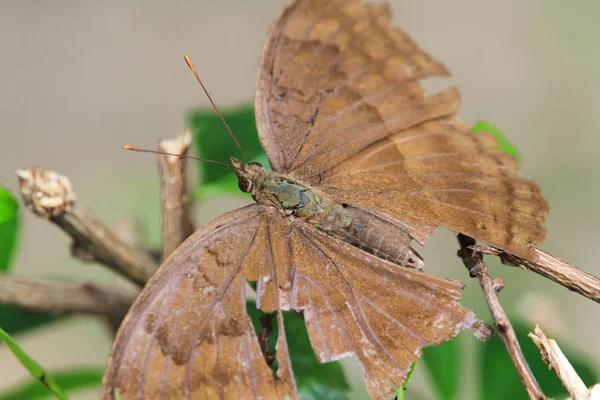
point(343, 221)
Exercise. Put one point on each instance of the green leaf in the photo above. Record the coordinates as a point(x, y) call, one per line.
point(17, 320)
point(14, 320)
point(498, 378)
point(443, 364)
point(315, 381)
point(212, 140)
point(402, 388)
point(33, 367)
point(9, 226)
point(503, 142)
point(69, 380)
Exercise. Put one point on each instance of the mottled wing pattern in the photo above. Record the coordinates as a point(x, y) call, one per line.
point(188, 336)
point(335, 77)
point(357, 304)
point(353, 302)
point(339, 83)
point(438, 173)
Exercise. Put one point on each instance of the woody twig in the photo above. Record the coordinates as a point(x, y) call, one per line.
point(177, 222)
point(554, 357)
point(50, 195)
point(473, 260)
point(65, 298)
point(559, 271)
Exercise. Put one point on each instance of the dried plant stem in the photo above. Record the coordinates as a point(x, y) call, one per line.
point(554, 357)
point(473, 260)
point(61, 298)
point(264, 337)
point(104, 245)
point(177, 223)
point(49, 195)
point(560, 272)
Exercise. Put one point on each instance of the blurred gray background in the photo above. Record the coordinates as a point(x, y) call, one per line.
point(80, 79)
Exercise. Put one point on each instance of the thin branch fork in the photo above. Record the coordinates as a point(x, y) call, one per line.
point(177, 223)
point(473, 260)
point(50, 195)
point(65, 298)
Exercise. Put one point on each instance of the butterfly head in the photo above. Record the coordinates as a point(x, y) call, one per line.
point(248, 174)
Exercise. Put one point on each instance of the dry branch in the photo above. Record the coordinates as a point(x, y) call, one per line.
point(473, 260)
point(177, 223)
point(64, 298)
point(554, 357)
point(559, 271)
point(50, 195)
point(264, 337)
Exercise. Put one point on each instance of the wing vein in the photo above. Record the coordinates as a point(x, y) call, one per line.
point(361, 316)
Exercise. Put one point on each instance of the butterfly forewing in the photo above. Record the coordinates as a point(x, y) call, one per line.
point(438, 173)
point(334, 77)
point(338, 82)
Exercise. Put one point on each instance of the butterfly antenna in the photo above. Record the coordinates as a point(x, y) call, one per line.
point(132, 148)
point(191, 66)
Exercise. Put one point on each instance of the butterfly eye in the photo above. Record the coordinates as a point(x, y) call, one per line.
point(257, 164)
point(245, 185)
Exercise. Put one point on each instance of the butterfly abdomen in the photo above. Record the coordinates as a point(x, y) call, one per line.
point(369, 233)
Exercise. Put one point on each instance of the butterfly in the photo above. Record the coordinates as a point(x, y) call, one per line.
point(364, 164)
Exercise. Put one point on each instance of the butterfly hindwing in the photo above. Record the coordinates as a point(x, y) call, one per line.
point(356, 304)
point(188, 334)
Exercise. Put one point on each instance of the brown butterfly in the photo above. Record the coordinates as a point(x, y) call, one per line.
point(364, 164)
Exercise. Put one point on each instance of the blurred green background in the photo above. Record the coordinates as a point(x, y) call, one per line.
point(80, 79)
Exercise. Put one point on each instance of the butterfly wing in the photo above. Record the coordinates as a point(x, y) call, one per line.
point(339, 105)
point(335, 77)
point(188, 335)
point(439, 173)
point(356, 304)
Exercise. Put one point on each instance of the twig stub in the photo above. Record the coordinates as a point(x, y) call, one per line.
point(177, 222)
point(45, 192)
